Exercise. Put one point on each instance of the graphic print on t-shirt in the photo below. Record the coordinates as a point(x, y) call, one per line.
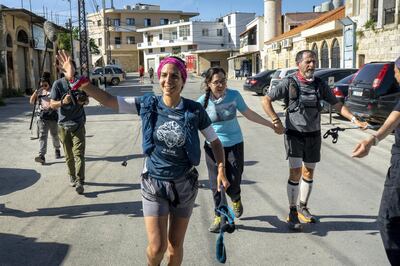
point(222, 112)
point(172, 134)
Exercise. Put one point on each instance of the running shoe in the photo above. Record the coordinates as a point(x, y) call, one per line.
point(293, 221)
point(237, 207)
point(215, 225)
point(305, 215)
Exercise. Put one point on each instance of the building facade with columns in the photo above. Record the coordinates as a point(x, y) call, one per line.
point(22, 44)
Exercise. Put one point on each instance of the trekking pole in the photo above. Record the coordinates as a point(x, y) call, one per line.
point(334, 132)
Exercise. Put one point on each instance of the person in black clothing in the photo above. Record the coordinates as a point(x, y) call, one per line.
point(389, 211)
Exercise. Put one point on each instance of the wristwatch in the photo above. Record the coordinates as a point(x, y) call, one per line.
point(353, 119)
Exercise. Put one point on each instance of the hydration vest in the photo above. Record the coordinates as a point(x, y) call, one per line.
point(299, 99)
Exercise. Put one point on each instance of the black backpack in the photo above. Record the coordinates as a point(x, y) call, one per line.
point(299, 97)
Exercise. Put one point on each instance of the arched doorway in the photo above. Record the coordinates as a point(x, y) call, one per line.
point(335, 58)
point(22, 60)
point(315, 50)
point(10, 62)
point(324, 55)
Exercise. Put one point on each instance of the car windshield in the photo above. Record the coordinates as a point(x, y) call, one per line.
point(98, 71)
point(276, 74)
point(368, 73)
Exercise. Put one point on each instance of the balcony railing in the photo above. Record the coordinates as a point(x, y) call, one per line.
point(123, 46)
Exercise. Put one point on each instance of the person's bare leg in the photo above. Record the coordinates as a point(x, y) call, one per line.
point(176, 237)
point(156, 228)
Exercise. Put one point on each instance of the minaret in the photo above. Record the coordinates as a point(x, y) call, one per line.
point(272, 18)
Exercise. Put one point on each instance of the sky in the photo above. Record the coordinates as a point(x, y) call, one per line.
point(208, 9)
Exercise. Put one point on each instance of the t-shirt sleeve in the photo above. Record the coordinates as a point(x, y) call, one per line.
point(241, 105)
point(327, 94)
point(280, 91)
point(128, 105)
point(204, 119)
point(55, 93)
point(201, 100)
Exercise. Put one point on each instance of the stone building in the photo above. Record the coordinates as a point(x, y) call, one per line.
point(22, 44)
point(324, 35)
point(115, 32)
point(377, 29)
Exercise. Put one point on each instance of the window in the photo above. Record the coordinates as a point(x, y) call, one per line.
point(22, 36)
point(9, 41)
point(160, 36)
point(204, 32)
point(324, 55)
point(184, 31)
point(108, 70)
point(117, 40)
point(118, 70)
point(116, 22)
point(335, 58)
point(147, 22)
point(130, 22)
point(99, 23)
point(229, 37)
point(164, 21)
point(130, 40)
point(149, 38)
point(99, 41)
point(356, 7)
point(315, 50)
point(374, 10)
point(150, 51)
point(389, 8)
point(219, 32)
point(162, 49)
point(192, 47)
point(174, 35)
point(229, 20)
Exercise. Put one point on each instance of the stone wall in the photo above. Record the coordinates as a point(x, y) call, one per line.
point(128, 60)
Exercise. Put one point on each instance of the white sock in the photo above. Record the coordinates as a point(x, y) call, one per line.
point(305, 190)
point(292, 192)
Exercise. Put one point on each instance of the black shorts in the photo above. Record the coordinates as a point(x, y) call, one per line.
point(303, 145)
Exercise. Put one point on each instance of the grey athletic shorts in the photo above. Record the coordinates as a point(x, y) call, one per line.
point(303, 145)
point(175, 197)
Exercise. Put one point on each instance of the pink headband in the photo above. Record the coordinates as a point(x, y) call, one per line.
point(179, 64)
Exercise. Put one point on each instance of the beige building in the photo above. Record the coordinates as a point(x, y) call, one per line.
point(324, 35)
point(22, 49)
point(120, 37)
point(377, 29)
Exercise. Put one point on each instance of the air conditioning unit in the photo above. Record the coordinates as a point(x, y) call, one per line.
point(287, 43)
point(276, 46)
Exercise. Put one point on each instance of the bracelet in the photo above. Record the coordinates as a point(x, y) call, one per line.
point(376, 140)
point(353, 119)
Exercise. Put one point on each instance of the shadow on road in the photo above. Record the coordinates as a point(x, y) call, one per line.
point(343, 223)
point(21, 250)
point(115, 158)
point(120, 187)
point(205, 183)
point(131, 209)
point(12, 179)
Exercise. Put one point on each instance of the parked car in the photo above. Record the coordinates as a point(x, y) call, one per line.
point(113, 74)
point(330, 75)
point(341, 87)
point(259, 83)
point(374, 92)
point(279, 75)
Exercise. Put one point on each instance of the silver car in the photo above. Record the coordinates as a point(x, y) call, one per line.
point(113, 74)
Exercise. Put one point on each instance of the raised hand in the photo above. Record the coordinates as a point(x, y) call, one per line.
point(65, 64)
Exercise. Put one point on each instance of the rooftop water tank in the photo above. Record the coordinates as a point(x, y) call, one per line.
point(127, 7)
point(337, 3)
point(326, 6)
point(317, 9)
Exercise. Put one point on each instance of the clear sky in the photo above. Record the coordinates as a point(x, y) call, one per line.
point(208, 9)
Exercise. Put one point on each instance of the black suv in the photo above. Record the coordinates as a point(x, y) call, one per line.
point(259, 83)
point(374, 92)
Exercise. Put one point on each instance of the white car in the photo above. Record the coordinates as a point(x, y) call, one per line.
point(279, 75)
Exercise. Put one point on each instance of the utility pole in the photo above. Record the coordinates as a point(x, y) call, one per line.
point(108, 42)
point(70, 29)
point(106, 35)
point(83, 39)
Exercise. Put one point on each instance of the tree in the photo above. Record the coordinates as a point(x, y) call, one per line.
point(64, 41)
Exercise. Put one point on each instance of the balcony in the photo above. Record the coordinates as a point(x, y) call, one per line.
point(124, 28)
point(121, 47)
point(165, 43)
point(249, 48)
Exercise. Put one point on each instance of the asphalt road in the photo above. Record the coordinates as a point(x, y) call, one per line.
point(44, 222)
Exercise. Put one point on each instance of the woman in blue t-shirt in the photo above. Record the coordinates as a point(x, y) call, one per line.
point(221, 104)
point(170, 125)
point(389, 211)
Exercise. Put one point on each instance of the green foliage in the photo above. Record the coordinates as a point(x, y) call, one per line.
point(94, 49)
point(370, 24)
point(64, 41)
point(360, 34)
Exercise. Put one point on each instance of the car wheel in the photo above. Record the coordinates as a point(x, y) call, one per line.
point(115, 81)
point(264, 90)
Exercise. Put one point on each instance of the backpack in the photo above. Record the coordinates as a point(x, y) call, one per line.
point(301, 99)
